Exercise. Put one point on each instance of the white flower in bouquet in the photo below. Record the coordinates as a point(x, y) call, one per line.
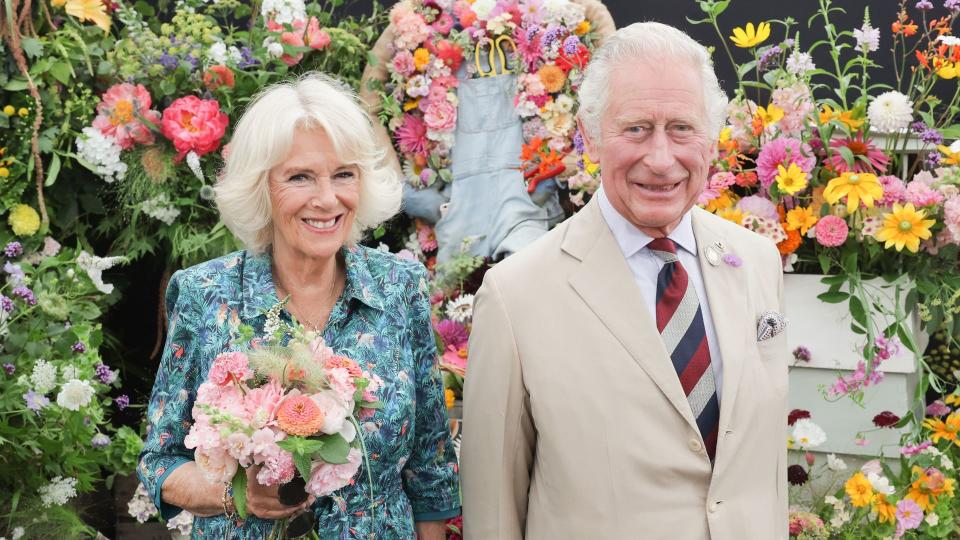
point(274, 48)
point(17, 533)
point(160, 208)
point(880, 484)
point(70, 372)
point(868, 37)
point(932, 519)
point(182, 524)
point(283, 11)
point(806, 434)
point(43, 377)
point(835, 464)
point(75, 394)
point(460, 309)
point(482, 8)
point(800, 63)
point(949, 41)
point(102, 153)
point(94, 267)
point(58, 491)
point(890, 111)
point(140, 506)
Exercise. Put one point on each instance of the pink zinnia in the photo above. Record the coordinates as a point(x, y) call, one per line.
point(862, 148)
point(783, 151)
point(412, 135)
point(894, 190)
point(443, 24)
point(921, 194)
point(831, 231)
point(909, 515)
point(120, 112)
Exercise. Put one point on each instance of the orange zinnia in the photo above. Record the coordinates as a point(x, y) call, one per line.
point(300, 415)
point(552, 78)
point(791, 243)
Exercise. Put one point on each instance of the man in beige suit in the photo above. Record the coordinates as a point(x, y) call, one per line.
point(628, 370)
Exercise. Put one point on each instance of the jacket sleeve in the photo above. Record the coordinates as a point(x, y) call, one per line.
point(169, 413)
point(431, 476)
point(499, 436)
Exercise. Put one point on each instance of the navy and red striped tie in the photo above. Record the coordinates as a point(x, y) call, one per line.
point(680, 323)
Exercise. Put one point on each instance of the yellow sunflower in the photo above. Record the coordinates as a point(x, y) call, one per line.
point(905, 226)
point(856, 187)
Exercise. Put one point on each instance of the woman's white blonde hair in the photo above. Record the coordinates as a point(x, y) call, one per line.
point(263, 137)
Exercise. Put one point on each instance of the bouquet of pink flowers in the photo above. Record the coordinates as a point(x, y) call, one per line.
point(291, 408)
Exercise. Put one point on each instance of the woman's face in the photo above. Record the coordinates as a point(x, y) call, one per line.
point(313, 198)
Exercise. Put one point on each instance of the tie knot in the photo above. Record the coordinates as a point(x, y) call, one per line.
point(664, 248)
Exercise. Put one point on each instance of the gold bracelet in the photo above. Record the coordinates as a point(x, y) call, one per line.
point(229, 507)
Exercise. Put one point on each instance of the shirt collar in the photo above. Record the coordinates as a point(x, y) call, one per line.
point(260, 295)
point(631, 239)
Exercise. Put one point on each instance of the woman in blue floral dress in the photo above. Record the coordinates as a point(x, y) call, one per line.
point(300, 186)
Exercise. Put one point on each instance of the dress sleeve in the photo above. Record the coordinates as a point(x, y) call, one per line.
point(431, 475)
point(169, 413)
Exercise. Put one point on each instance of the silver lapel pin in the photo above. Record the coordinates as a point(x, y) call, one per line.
point(714, 253)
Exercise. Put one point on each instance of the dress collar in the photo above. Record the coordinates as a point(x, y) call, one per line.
point(631, 239)
point(260, 294)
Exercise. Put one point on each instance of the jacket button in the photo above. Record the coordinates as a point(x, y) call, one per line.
point(695, 445)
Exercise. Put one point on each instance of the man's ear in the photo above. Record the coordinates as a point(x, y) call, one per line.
point(593, 149)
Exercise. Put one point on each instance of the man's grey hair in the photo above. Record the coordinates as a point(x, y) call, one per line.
point(648, 42)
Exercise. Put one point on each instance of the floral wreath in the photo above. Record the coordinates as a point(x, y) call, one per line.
point(547, 42)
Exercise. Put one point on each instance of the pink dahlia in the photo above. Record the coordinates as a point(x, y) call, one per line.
point(831, 231)
point(194, 125)
point(894, 190)
point(866, 156)
point(783, 151)
point(921, 194)
point(412, 135)
point(120, 112)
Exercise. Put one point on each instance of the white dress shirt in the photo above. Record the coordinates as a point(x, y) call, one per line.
point(646, 267)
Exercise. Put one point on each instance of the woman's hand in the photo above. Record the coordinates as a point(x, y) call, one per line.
point(431, 530)
point(263, 502)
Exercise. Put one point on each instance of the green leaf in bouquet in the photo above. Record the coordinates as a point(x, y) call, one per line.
point(743, 69)
point(53, 170)
point(838, 279)
point(857, 329)
point(32, 47)
point(910, 303)
point(335, 449)
point(303, 464)
point(857, 311)
point(240, 491)
point(824, 261)
point(61, 71)
point(833, 297)
point(846, 154)
point(372, 404)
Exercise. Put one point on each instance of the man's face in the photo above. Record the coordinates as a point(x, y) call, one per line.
point(653, 149)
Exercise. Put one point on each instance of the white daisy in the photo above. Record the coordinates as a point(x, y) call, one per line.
point(460, 309)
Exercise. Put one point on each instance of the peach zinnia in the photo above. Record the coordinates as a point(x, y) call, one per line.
point(300, 415)
point(343, 362)
point(552, 78)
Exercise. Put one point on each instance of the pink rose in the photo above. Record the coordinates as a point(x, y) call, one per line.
point(194, 125)
point(216, 464)
point(334, 411)
point(261, 403)
point(325, 478)
point(440, 115)
point(121, 111)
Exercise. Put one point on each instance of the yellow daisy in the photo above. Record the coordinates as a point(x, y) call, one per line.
point(944, 429)
point(791, 180)
point(732, 214)
point(801, 218)
point(856, 187)
point(859, 490)
point(750, 37)
point(89, 10)
point(905, 226)
point(886, 512)
point(769, 115)
point(950, 157)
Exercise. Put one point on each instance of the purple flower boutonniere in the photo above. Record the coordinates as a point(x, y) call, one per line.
point(732, 260)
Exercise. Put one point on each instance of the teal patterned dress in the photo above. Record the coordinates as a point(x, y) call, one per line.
point(381, 320)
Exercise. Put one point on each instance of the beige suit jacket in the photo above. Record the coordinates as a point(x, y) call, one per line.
point(575, 423)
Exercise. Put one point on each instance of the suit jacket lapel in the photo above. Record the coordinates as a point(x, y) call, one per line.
point(605, 283)
point(729, 308)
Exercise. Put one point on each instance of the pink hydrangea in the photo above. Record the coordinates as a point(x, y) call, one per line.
point(240, 447)
point(894, 190)
point(121, 112)
point(783, 151)
point(440, 115)
point(403, 63)
point(921, 194)
point(194, 125)
point(325, 478)
point(230, 367)
point(831, 231)
point(264, 442)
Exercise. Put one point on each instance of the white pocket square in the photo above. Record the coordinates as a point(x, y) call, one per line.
point(769, 324)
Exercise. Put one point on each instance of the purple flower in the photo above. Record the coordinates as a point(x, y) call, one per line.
point(168, 61)
point(768, 57)
point(105, 374)
point(10, 368)
point(100, 440)
point(532, 32)
point(952, 5)
point(122, 401)
point(797, 475)
point(79, 347)
point(938, 408)
point(13, 249)
point(35, 401)
point(931, 136)
point(553, 34)
point(732, 260)
point(802, 353)
point(246, 58)
point(570, 44)
point(918, 127)
point(924, 5)
point(933, 158)
point(6, 304)
point(578, 144)
point(26, 294)
point(16, 273)
point(911, 450)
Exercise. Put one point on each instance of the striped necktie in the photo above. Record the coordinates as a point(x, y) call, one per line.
point(680, 323)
